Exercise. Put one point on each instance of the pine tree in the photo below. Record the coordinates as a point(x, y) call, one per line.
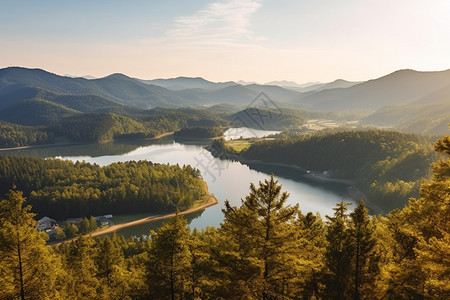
point(421, 232)
point(112, 271)
point(92, 224)
point(263, 242)
point(337, 255)
point(169, 265)
point(80, 264)
point(28, 269)
point(364, 259)
point(312, 230)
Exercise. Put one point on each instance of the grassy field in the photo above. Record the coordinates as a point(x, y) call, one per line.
point(239, 145)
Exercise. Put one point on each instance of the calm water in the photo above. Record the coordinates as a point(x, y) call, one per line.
point(225, 179)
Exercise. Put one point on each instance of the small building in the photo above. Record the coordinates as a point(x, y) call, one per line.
point(46, 223)
point(74, 220)
point(103, 221)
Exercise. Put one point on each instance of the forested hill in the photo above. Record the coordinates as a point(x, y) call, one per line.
point(264, 249)
point(388, 166)
point(59, 121)
point(63, 189)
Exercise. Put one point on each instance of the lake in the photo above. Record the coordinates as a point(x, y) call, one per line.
point(225, 179)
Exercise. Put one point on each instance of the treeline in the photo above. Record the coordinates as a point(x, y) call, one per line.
point(100, 126)
point(388, 166)
point(268, 118)
point(62, 189)
point(264, 249)
point(199, 132)
point(13, 135)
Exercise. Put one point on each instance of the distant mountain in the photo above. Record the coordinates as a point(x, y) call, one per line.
point(183, 83)
point(400, 87)
point(117, 87)
point(33, 112)
point(283, 83)
point(277, 94)
point(406, 99)
point(316, 87)
point(243, 82)
point(81, 103)
point(129, 91)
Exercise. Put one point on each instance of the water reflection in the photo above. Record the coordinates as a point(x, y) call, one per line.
point(225, 179)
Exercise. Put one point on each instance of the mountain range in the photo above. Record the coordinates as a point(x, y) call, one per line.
point(406, 99)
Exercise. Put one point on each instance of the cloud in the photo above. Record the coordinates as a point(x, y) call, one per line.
point(219, 23)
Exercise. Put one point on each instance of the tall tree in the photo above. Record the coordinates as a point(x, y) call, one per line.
point(169, 265)
point(263, 240)
point(80, 264)
point(337, 255)
point(112, 272)
point(313, 231)
point(28, 269)
point(421, 232)
point(364, 259)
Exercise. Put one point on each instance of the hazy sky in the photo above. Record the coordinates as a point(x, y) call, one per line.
point(221, 40)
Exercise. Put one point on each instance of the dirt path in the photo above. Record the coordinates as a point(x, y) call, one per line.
point(210, 201)
point(161, 135)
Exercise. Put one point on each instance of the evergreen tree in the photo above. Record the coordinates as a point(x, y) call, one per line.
point(112, 271)
point(313, 231)
point(169, 265)
point(337, 255)
point(80, 264)
point(421, 233)
point(262, 244)
point(28, 269)
point(92, 224)
point(364, 259)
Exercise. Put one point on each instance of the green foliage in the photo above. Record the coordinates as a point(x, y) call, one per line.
point(388, 166)
point(64, 189)
point(262, 250)
point(169, 266)
point(199, 132)
point(268, 119)
point(12, 135)
point(261, 238)
point(422, 235)
point(33, 112)
point(28, 269)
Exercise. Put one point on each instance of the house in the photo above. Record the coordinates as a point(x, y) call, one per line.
point(103, 221)
point(46, 223)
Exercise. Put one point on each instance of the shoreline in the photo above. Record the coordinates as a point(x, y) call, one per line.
point(209, 200)
point(77, 144)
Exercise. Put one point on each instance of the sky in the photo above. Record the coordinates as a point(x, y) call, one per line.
point(222, 40)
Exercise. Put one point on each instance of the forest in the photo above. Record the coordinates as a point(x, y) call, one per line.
point(199, 132)
point(263, 249)
point(387, 166)
point(94, 127)
point(64, 189)
point(13, 135)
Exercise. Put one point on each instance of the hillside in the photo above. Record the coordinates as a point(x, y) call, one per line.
point(183, 83)
point(33, 112)
point(387, 166)
point(13, 135)
point(116, 87)
point(428, 118)
point(268, 119)
point(400, 87)
point(405, 100)
point(338, 83)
